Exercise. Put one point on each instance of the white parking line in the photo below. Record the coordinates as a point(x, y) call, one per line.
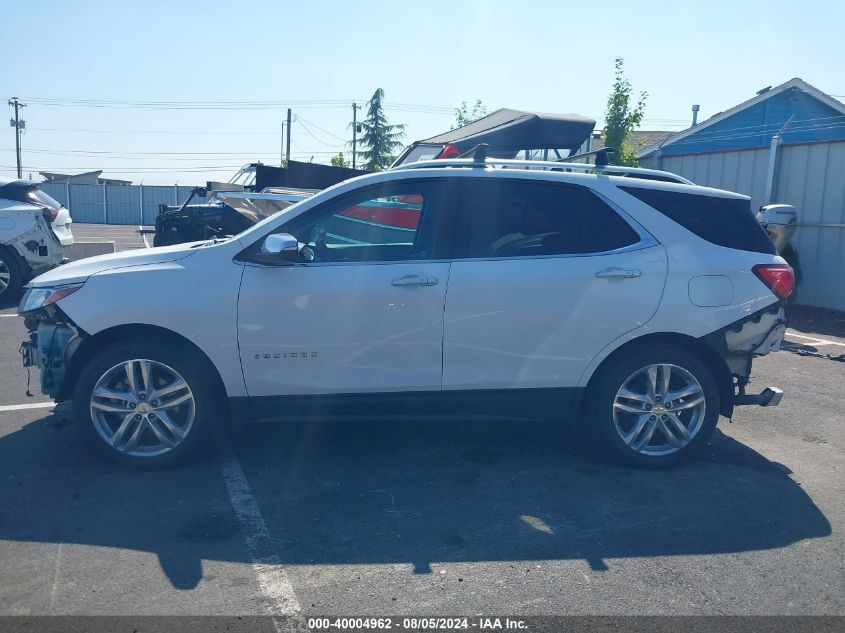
point(143, 236)
point(31, 405)
point(8, 315)
point(817, 341)
point(272, 579)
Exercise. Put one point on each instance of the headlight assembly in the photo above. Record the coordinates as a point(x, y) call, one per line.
point(36, 298)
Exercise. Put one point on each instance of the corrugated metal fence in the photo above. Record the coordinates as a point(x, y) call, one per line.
point(116, 204)
point(810, 176)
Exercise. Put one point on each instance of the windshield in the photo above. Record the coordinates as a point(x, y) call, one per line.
point(421, 152)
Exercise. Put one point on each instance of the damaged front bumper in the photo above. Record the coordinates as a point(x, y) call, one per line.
point(49, 348)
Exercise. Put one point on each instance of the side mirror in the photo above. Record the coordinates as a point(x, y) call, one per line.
point(278, 249)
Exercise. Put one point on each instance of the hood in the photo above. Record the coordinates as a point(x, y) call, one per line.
point(79, 271)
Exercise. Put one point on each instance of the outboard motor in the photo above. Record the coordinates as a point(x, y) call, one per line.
point(779, 221)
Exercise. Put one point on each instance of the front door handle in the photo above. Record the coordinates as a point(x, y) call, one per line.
point(618, 273)
point(415, 280)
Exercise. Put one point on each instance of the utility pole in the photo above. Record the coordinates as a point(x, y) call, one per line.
point(287, 150)
point(19, 125)
point(282, 147)
point(355, 109)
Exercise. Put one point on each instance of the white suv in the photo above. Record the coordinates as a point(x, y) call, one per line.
point(521, 289)
point(34, 233)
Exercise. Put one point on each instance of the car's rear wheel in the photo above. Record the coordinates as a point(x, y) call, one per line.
point(10, 274)
point(656, 407)
point(145, 405)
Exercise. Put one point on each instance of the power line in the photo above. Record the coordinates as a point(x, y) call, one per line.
point(151, 155)
point(753, 130)
point(143, 170)
point(763, 126)
point(230, 105)
point(312, 135)
point(195, 169)
point(314, 125)
point(168, 132)
point(790, 130)
point(186, 105)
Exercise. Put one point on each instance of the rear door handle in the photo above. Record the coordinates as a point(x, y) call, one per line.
point(618, 273)
point(415, 280)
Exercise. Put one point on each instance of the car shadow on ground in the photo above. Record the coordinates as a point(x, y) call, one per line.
point(416, 493)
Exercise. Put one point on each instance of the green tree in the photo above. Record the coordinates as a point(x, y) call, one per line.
point(622, 117)
point(379, 139)
point(339, 160)
point(464, 115)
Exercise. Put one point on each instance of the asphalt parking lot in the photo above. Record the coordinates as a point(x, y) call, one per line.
point(125, 237)
point(458, 518)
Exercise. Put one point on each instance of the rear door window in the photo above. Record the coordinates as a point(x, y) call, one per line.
point(725, 222)
point(523, 218)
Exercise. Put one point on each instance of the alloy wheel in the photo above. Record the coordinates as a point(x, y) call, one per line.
point(142, 408)
point(659, 409)
point(5, 276)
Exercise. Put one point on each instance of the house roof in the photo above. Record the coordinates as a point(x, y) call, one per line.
point(769, 126)
point(636, 139)
point(88, 177)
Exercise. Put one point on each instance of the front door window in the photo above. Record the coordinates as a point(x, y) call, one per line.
point(391, 222)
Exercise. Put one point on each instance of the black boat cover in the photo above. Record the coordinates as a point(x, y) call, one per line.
point(515, 130)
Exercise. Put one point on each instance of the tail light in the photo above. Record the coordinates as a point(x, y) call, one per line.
point(779, 278)
point(449, 151)
point(50, 213)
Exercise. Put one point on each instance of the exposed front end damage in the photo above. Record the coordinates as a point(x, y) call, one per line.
point(754, 335)
point(53, 339)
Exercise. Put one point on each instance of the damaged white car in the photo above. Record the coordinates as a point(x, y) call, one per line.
point(34, 234)
point(632, 305)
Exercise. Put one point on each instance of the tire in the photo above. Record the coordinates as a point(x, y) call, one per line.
point(133, 427)
point(623, 419)
point(11, 276)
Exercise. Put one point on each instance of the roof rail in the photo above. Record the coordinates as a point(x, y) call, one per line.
point(544, 165)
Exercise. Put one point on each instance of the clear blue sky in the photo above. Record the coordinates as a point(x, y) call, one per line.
point(552, 56)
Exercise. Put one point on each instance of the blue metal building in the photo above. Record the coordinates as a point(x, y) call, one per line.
point(785, 144)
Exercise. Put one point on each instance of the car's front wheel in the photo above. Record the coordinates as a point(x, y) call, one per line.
point(656, 407)
point(145, 404)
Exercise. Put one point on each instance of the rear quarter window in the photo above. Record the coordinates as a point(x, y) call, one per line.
point(725, 222)
point(30, 195)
